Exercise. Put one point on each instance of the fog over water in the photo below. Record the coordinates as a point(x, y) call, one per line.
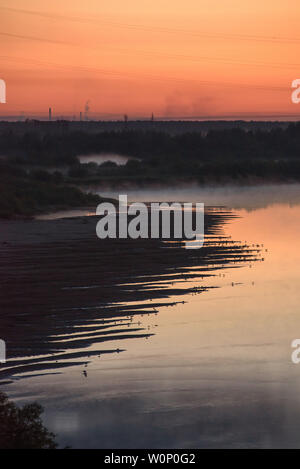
point(235, 197)
point(232, 196)
point(101, 158)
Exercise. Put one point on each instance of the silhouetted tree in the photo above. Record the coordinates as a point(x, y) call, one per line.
point(22, 427)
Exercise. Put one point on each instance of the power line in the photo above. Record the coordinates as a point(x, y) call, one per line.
point(107, 20)
point(32, 38)
point(151, 77)
point(226, 61)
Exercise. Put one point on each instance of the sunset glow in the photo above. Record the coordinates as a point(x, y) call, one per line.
point(217, 59)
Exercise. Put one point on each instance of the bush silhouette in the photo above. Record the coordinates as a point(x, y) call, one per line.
point(22, 427)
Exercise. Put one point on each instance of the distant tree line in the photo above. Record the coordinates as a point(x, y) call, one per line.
point(234, 143)
point(27, 185)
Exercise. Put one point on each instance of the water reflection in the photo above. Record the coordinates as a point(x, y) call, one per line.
point(216, 370)
point(204, 415)
point(80, 296)
point(217, 374)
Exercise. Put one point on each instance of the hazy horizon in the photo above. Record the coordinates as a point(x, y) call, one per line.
point(227, 59)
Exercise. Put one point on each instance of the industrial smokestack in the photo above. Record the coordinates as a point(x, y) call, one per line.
point(50, 114)
point(86, 110)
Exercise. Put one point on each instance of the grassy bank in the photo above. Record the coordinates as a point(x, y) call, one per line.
point(26, 194)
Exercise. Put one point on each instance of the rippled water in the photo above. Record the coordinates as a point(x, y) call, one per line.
point(214, 369)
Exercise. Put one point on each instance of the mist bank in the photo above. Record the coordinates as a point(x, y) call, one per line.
point(249, 198)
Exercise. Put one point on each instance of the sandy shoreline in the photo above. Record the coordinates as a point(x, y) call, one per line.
point(59, 281)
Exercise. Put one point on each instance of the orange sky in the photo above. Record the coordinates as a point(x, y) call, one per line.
point(195, 58)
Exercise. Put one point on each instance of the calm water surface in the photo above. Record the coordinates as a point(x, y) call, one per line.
point(216, 373)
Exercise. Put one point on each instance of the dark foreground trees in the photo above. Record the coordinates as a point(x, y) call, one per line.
point(22, 427)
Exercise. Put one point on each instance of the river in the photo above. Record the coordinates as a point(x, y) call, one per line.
point(216, 370)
